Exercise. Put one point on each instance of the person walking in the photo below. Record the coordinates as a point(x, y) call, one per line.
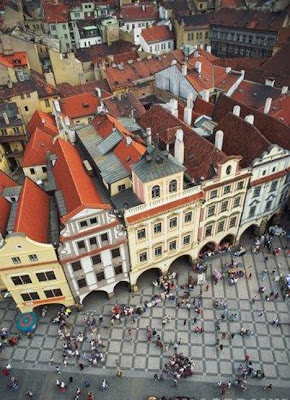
point(175, 383)
point(57, 370)
point(221, 347)
point(71, 379)
point(184, 322)
point(81, 366)
point(29, 394)
point(268, 387)
point(51, 361)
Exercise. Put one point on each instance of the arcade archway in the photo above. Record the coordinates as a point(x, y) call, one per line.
point(180, 264)
point(226, 242)
point(208, 249)
point(95, 298)
point(249, 234)
point(147, 277)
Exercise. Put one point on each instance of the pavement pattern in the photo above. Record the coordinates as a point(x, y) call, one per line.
point(268, 347)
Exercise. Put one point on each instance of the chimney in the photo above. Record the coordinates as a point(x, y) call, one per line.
point(284, 90)
point(148, 136)
point(267, 105)
point(208, 48)
point(198, 66)
point(249, 119)
point(219, 137)
point(237, 110)
point(6, 119)
point(98, 91)
point(187, 116)
point(128, 140)
point(179, 146)
point(143, 7)
point(270, 82)
point(174, 107)
point(228, 70)
point(201, 46)
point(205, 95)
point(173, 62)
point(189, 102)
point(184, 69)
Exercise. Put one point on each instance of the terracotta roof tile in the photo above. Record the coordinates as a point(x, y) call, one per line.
point(200, 155)
point(138, 12)
point(77, 186)
point(32, 216)
point(124, 106)
point(66, 89)
point(203, 107)
point(18, 59)
point(5, 206)
point(196, 21)
point(157, 34)
point(56, 12)
point(99, 52)
point(35, 151)
point(43, 121)
point(273, 130)
point(280, 109)
point(6, 181)
point(80, 105)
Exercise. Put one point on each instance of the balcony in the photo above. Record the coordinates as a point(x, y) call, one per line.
point(15, 153)
point(13, 138)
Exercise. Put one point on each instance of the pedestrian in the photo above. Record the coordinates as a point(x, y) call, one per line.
point(247, 358)
point(276, 296)
point(117, 362)
point(29, 394)
point(184, 322)
point(57, 370)
point(81, 365)
point(71, 379)
point(119, 373)
point(175, 383)
point(217, 343)
point(206, 288)
point(51, 361)
point(250, 276)
point(8, 367)
point(91, 396)
point(261, 313)
point(194, 320)
point(86, 383)
point(78, 391)
point(224, 335)
point(268, 387)
point(221, 347)
point(101, 318)
point(155, 377)
point(76, 397)
point(273, 271)
point(232, 335)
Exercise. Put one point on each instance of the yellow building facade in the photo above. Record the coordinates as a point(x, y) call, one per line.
point(31, 273)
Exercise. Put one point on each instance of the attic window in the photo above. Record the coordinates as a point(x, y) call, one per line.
point(85, 104)
point(128, 158)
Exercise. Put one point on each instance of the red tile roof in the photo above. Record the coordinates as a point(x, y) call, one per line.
point(123, 106)
point(5, 206)
point(78, 189)
point(138, 12)
point(56, 13)
point(157, 34)
point(80, 105)
point(129, 74)
point(203, 107)
point(6, 181)
point(66, 89)
point(164, 208)
point(98, 53)
point(44, 121)
point(280, 109)
point(32, 216)
point(200, 157)
point(235, 131)
point(35, 151)
point(18, 59)
point(273, 130)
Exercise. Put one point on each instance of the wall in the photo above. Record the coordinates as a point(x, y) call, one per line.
point(157, 48)
point(66, 69)
point(4, 164)
point(39, 174)
point(31, 101)
point(114, 186)
point(31, 51)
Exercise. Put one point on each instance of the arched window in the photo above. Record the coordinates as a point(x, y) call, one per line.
point(173, 186)
point(155, 192)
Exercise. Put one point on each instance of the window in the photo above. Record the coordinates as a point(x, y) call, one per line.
point(53, 27)
point(252, 211)
point(82, 283)
point(33, 257)
point(53, 293)
point(16, 260)
point(81, 245)
point(30, 296)
point(233, 222)
point(143, 256)
point(76, 266)
point(46, 101)
point(237, 201)
point(115, 253)
point(96, 259)
point(118, 269)
point(221, 226)
point(104, 237)
point(273, 169)
point(257, 191)
point(268, 205)
point(264, 172)
point(93, 241)
point(21, 280)
point(155, 192)
point(158, 251)
point(172, 245)
point(228, 170)
point(173, 186)
point(186, 240)
point(44, 169)
point(224, 206)
point(100, 276)
point(208, 230)
point(227, 189)
point(45, 276)
point(273, 186)
point(141, 234)
point(157, 228)
point(211, 211)
point(213, 193)
point(65, 36)
point(240, 185)
point(63, 26)
point(26, 108)
point(32, 171)
point(83, 224)
point(93, 220)
point(187, 217)
point(121, 187)
point(173, 222)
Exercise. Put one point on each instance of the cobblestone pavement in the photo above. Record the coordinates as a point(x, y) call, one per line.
point(268, 347)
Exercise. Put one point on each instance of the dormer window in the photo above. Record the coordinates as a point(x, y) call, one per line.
point(155, 192)
point(173, 186)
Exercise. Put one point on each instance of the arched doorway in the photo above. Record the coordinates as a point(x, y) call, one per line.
point(208, 249)
point(248, 234)
point(181, 264)
point(52, 310)
point(274, 220)
point(147, 277)
point(94, 299)
point(121, 291)
point(226, 242)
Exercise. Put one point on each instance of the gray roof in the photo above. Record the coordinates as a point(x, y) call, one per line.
point(12, 112)
point(60, 203)
point(125, 199)
point(156, 164)
point(109, 165)
point(11, 191)
point(12, 217)
point(130, 124)
point(110, 142)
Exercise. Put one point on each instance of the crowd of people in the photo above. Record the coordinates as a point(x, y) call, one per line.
point(179, 366)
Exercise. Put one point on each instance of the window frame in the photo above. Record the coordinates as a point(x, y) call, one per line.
point(155, 192)
point(172, 183)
